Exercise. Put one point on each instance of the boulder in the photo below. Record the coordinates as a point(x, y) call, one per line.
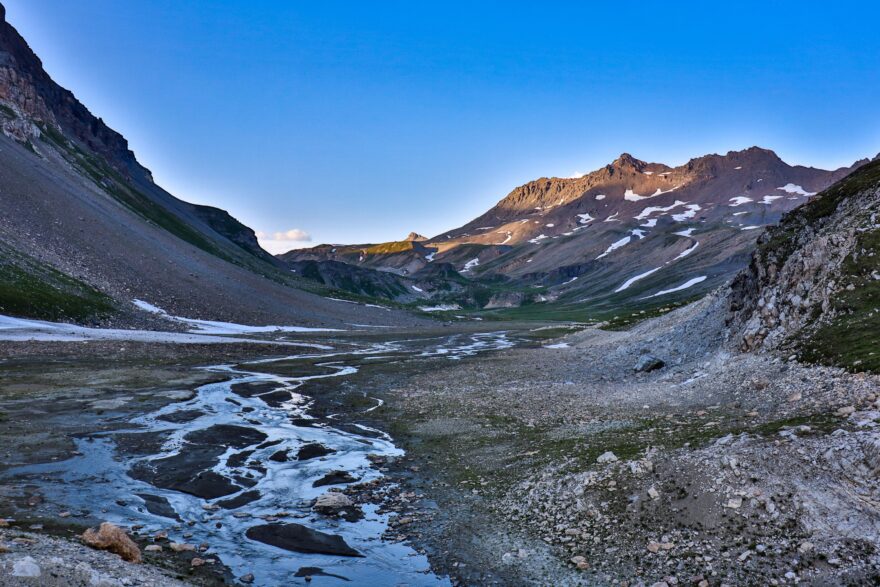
point(335, 478)
point(113, 539)
point(647, 363)
point(332, 502)
point(299, 538)
point(313, 450)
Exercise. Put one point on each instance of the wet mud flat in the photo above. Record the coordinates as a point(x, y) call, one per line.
point(229, 458)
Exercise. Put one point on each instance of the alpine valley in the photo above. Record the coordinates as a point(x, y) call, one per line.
point(647, 375)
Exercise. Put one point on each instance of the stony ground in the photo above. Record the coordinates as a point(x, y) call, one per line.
point(28, 558)
point(565, 466)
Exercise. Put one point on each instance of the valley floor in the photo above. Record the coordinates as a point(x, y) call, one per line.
point(561, 465)
point(554, 463)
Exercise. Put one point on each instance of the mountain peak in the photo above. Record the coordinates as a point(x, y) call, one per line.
point(414, 236)
point(756, 152)
point(627, 160)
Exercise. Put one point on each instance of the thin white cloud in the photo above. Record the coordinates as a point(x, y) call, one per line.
point(281, 242)
point(294, 234)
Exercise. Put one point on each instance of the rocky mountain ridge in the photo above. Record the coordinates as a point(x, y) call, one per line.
point(618, 237)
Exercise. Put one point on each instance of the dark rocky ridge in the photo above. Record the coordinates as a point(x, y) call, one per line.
point(84, 230)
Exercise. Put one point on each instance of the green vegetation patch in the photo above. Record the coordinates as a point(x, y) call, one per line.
point(852, 338)
point(390, 248)
point(32, 289)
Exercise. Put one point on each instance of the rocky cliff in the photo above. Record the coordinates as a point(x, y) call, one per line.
point(813, 285)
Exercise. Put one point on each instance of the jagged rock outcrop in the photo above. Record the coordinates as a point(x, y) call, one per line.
point(804, 267)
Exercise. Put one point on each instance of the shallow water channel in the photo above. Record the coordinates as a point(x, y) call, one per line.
point(231, 459)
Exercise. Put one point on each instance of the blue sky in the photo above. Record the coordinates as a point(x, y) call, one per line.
point(361, 121)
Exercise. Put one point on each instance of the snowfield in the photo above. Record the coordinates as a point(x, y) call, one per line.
point(220, 328)
point(21, 329)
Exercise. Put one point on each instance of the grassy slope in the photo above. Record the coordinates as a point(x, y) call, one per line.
point(32, 289)
point(852, 338)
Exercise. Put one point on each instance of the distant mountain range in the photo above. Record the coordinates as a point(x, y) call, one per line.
point(630, 234)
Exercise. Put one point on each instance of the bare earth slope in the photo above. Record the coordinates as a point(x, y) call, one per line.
point(84, 230)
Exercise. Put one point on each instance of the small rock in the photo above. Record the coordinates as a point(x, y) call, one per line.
point(607, 457)
point(734, 503)
point(653, 493)
point(152, 548)
point(182, 547)
point(845, 411)
point(197, 562)
point(249, 578)
point(26, 567)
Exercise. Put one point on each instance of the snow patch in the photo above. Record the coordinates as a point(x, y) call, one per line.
point(509, 236)
point(685, 285)
point(769, 199)
point(690, 212)
point(687, 252)
point(470, 265)
point(220, 328)
point(600, 196)
point(20, 329)
point(795, 189)
point(440, 308)
point(418, 289)
point(740, 200)
point(614, 246)
point(584, 218)
point(631, 196)
point(635, 278)
point(652, 209)
point(612, 218)
point(686, 232)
